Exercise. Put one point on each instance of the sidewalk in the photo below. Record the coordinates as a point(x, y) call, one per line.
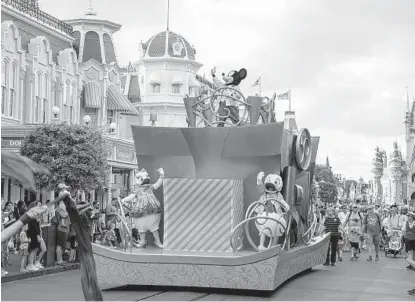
point(14, 270)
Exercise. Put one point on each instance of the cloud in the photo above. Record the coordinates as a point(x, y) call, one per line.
point(346, 62)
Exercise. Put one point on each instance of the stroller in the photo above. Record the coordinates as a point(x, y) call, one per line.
point(394, 245)
point(384, 240)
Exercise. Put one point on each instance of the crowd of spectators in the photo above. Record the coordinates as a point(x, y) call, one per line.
point(30, 245)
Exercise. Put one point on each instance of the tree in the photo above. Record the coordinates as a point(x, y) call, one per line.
point(324, 173)
point(74, 154)
point(328, 192)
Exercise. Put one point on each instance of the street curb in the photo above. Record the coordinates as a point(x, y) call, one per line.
point(43, 272)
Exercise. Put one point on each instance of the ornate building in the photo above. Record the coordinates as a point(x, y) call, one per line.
point(159, 80)
point(67, 71)
point(410, 149)
point(55, 71)
point(389, 177)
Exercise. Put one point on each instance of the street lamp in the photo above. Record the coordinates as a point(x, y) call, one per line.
point(87, 120)
point(55, 112)
point(153, 116)
point(113, 127)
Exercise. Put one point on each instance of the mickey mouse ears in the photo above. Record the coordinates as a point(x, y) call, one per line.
point(242, 73)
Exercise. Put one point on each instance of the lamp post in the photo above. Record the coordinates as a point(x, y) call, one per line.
point(87, 120)
point(55, 112)
point(153, 116)
point(113, 127)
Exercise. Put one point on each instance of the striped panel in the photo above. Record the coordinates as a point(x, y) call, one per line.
point(237, 211)
point(92, 95)
point(197, 214)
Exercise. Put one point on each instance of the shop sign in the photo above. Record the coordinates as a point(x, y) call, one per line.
point(125, 155)
point(12, 143)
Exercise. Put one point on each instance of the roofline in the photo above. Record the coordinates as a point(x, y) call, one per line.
point(112, 25)
point(14, 12)
point(170, 59)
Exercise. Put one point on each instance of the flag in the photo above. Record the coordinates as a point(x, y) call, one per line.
point(257, 82)
point(284, 96)
point(21, 168)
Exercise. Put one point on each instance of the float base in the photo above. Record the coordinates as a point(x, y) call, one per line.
point(249, 270)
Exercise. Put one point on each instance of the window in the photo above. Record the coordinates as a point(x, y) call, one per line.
point(45, 98)
point(155, 88)
point(12, 96)
point(3, 85)
point(110, 116)
point(38, 89)
point(66, 92)
point(176, 88)
point(73, 104)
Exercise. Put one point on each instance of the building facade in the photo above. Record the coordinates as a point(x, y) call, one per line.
point(410, 150)
point(164, 74)
point(55, 71)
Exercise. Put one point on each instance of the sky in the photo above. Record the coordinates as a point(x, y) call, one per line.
point(347, 63)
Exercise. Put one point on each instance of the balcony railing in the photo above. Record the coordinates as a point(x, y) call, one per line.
point(33, 11)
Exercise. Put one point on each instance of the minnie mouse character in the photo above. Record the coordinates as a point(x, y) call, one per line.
point(228, 104)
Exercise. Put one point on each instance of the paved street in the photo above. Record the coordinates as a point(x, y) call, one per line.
point(387, 280)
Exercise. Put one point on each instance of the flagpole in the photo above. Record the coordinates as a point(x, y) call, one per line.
point(260, 83)
point(289, 101)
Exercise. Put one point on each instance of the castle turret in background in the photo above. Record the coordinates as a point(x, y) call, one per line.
point(377, 172)
point(397, 173)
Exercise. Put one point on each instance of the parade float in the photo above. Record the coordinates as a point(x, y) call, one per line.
point(221, 224)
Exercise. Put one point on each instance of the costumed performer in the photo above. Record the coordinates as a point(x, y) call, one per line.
point(145, 208)
point(270, 189)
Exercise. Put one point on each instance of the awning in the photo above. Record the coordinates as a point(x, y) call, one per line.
point(118, 102)
point(177, 80)
point(91, 95)
point(155, 78)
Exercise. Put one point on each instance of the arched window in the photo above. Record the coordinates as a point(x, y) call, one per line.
point(73, 104)
point(38, 91)
point(12, 96)
point(413, 177)
point(45, 98)
point(4, 75)
point(66, 101)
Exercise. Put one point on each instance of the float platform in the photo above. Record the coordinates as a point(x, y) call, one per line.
point(249, 270)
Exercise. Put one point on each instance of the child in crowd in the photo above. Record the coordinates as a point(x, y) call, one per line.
point(340, 245)
point(24, 249)
point(110, 238)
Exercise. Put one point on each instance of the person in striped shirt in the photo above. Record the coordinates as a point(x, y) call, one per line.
point(332, 224)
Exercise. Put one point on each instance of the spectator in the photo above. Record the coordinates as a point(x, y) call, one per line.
point(372, 229)
point(4, 245)
point(24, 249)
point(110, 237)
point(409, 230)
point(73, 245)
point(33, 233)
point(62, 224)
point(332, 225)
point(111, 216)
point(354, 222)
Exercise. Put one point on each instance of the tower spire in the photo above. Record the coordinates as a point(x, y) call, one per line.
point(90, 11)
point(168, 14)
point(407, 99)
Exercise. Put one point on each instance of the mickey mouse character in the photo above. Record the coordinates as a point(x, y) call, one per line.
point(228, 106)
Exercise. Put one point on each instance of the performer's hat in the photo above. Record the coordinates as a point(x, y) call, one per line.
point(369, 207)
